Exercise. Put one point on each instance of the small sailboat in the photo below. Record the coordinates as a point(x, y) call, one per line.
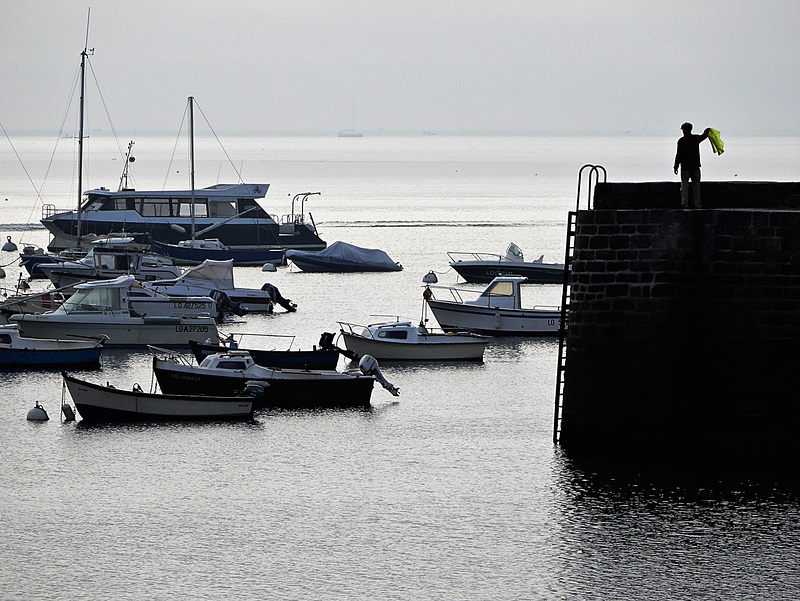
point(352, 133)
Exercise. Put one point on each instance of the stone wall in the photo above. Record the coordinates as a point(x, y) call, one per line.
point(683, 331)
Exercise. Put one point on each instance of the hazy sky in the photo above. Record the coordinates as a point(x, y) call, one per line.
point(407, 65)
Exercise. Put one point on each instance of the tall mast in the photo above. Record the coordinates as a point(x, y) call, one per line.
point(84, 54)
point(191, 157)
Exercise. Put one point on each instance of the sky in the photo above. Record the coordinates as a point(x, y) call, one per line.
point(500, 66)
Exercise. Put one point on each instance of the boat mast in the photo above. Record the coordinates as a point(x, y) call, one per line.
point(84, 54)
point(191, 158)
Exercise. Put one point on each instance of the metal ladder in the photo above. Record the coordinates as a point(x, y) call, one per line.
point(566, 290)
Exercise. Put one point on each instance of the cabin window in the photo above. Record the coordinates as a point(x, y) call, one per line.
point(200, 208)
point(231, 365)
point(221, 209)
point(393, 334)
point(248, 203)
point(500, 289)
point(97, 299)
point(154, 207)
point(104, 261)
point(5, 339)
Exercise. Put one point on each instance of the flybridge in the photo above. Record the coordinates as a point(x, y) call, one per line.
point(215, 191)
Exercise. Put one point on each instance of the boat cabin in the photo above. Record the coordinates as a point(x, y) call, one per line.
point(232, 360)
point(503, 293)
point(398, 330)
point(219, 201)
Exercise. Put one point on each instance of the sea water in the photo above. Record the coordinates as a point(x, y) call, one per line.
point(452, 491)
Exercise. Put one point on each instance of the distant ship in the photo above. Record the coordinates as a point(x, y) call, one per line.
point(350, 133)
point(427, 132)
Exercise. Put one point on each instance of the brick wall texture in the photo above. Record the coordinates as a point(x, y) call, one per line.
point(683, 334)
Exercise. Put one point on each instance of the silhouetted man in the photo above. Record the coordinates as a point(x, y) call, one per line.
point(688, 158)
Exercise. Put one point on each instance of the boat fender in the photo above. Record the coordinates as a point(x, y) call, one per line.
point(427, 294)
point(369, 367)
point(38, 414)
point(69, 414)
point(497, 321)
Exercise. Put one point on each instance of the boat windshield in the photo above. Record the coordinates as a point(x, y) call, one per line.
point(94, 299)
point(500, 289)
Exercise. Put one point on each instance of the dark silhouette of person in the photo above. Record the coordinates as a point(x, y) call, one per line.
point(688, 159)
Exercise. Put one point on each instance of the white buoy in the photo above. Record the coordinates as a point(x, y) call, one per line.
point(9, 246)
point(38, 414)
point(269, 267)
point(429, 278)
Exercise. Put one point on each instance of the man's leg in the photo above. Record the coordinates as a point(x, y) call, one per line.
point(685, 188)
point(696, 187)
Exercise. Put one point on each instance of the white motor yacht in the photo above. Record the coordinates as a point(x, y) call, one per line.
point(127, 313)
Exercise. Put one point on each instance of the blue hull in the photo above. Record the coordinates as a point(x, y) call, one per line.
point(326, 265)
point(240, 256)
point(50, 358)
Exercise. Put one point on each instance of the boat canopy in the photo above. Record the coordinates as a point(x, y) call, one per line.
point(218, 273)
point(355, 254)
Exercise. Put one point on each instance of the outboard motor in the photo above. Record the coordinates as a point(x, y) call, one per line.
point(276, 297)
point(326, 341)
point(224, 303)
point(326, 344)
point(258, 390)
point(369, 367)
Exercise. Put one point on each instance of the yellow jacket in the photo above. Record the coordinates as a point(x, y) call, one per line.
point(716, 141)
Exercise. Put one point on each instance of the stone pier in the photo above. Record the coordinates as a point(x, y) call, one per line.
point(684, 327)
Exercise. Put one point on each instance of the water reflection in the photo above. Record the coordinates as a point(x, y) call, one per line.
point(650, 538)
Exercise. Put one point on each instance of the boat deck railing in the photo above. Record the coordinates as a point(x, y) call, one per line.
point(455, 293)
point(458, 256)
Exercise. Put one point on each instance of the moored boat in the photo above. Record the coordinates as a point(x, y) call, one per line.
point(98, 403)
point(317, 358)
point(108, 259)
point(127, 313)
point(194, 252)
point(341, 257)
point(482, 268)
point(497, 311)
point(403, 341)
point(17, 350)
point(231, 211)
point(235, 371)
point(211, 276)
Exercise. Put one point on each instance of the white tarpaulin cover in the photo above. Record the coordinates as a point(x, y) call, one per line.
point(219, 273)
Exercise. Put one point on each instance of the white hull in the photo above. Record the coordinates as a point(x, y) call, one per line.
point(105, 403)
point(495, 321)
point(429, 347)
point(121, 330)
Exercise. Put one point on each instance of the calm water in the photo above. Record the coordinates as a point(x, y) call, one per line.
point(453, 491)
